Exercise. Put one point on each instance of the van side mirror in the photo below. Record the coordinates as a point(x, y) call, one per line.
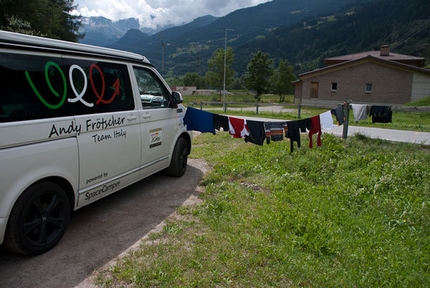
point(176, 99)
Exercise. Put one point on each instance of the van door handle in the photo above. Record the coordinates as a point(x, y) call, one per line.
point(146, 116)
point(132, 117)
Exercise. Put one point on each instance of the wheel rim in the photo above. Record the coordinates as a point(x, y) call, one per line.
point(184, 158)
point(44, 219)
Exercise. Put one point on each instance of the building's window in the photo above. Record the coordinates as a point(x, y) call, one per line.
point(368, 88)
point(334, 86)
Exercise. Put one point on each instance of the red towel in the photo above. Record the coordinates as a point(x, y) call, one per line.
point(238, 127)
point(315, 128)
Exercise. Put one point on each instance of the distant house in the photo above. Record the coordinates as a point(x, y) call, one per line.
point(369, 77)
point(185, 90)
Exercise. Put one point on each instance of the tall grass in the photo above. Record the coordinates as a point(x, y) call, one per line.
point(352, 213)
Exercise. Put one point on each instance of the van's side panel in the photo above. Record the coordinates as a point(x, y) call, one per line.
point(158, 133)
point(24, 165)
point(109, 156)
point(158, 120)
point(109, 139)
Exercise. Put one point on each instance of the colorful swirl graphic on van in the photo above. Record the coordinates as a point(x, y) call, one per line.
point(63, 97)
point(84, 89)
point(100, 95)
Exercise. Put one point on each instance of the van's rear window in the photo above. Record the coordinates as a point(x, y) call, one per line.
point(32, 88)
point(36, 87)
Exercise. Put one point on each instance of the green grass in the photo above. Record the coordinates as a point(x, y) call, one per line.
point(351, 213)
point(236, 97)
point(422, 102)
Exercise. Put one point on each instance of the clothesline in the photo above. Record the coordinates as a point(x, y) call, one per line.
point(258, 132)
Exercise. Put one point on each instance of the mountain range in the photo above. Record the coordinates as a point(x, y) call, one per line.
point(302, 32)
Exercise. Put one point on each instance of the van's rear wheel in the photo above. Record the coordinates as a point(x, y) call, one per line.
point(178, 164)
point(38, 220)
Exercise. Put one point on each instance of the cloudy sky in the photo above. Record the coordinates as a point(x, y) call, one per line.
point(153, 13)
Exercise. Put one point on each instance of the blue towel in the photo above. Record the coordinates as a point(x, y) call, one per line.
point(199, 120)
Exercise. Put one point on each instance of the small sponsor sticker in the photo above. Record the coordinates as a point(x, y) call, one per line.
point(155, 137)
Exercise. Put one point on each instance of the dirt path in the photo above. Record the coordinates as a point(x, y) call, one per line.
point(101, 231)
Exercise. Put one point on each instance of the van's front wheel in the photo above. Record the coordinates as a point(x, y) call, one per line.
point(178, 164)
point(38, 220)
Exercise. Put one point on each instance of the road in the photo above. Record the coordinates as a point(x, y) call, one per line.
point(386, 134)
point(101, 231)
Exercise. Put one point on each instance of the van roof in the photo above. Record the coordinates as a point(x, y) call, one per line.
point(30, 41)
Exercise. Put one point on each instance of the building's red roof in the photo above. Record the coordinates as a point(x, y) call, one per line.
point(366, 58)
point(376, 54)
point(383, 54)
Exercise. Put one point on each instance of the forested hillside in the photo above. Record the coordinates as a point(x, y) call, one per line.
point(248, 23)
point(366, 25)
point(310, 35)
point(188, 47)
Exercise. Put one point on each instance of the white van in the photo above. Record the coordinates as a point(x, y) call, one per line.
point(77, 123)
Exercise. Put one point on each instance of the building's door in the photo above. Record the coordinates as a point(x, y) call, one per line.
point(314, 89)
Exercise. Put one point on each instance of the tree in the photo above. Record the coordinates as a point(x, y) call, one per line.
point(20, 26)
point(281, 80)
point(50, 18)
point(194, 79)
point(71, 23)
point(215, 75)
point(258, 75)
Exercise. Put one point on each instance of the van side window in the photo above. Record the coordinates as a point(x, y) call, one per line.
point(153, 93)
point(98, 87)
point(33, 87)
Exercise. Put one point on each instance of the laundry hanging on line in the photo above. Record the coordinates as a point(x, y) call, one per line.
point(338, 113)
point(381, 114)
point(326, 121)
point(275, 131)
point(258, 132)
point(237, 127)
point(315, 128)
point(360, 111)
point(199, 120)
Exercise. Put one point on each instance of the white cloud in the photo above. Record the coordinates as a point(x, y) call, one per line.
point(153, 13)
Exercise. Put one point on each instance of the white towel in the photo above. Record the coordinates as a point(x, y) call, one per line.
point(326, 121)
